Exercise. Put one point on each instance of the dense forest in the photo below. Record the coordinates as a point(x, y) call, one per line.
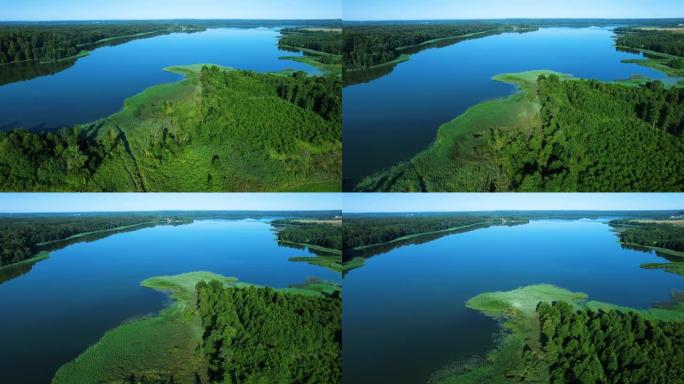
point(651, 234)
point(51, 43)
point(587, 347)
point(218, 130)
point(587, 136)
point(259, 335)
point(316, 39)
point(598, 137)
point(367, 46)
point(310, 232)
point(21, 238)
point(658, 40)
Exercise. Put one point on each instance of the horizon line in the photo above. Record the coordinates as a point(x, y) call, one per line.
point(172, 19)
point(525, 18)
point(179, 210)
point(529, 210)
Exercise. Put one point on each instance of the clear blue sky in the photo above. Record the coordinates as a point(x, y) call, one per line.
point(435, 202)
point(168, 9)
point(501, 9)
point(110, 202)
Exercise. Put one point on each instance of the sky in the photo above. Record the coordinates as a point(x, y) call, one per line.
point(454, 202)
point(502, 9)
point(40, 10)
point(129, 202)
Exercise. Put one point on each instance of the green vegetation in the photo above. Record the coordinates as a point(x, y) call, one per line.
point(554, 135)
point(169, 347)
point(217, 130)
point(554, 336)
point(609, 347)
point(164, 345)
point(260, 335)
point(664, 40)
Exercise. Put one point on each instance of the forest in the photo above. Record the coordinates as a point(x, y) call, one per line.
point(218, 130)
point(51, 43)
point(365, 46)
point(249, 335)
point(22, 238)
point(651, 234)
point(597, 347)
point(598, 137)
point(657, 40)
point(318, 233)
point(578, 136)
point(322, 40)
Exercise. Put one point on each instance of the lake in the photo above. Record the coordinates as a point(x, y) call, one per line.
point(392, 118)
point(404, 314)
point(67, 302)
point(97, 85)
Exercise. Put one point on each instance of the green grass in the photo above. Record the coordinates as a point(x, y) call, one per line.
point(522, 301)
point(168, 342)
point(460, 151)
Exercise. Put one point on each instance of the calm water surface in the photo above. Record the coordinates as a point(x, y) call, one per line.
point(97, 85)
point(404, 313)
point(66, 303)
point(392, 118)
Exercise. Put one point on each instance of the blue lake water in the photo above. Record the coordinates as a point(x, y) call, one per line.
point(97, 85)
point(392, 118)
point(404, 314)
point(67, 302)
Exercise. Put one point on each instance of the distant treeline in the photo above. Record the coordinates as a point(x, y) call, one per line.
point(606, 347)
point(364, 231)
point(310, 38)
point(20, 238)
point(314, 233)
point(51, 43)
point(369, 45)
point(259, 335)
point(662, 41)
point(649, 234)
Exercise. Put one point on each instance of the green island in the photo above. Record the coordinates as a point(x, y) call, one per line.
point(552, 335)
point(220, 330)
point(557, 133)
